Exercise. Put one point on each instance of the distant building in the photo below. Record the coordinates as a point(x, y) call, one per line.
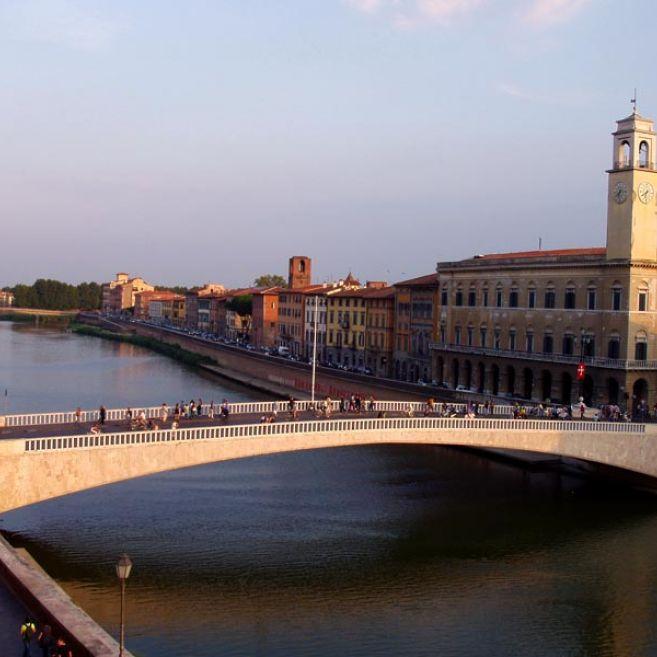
point(119, 294)
point(416, 308)
point(6, 299)
point(264, 317)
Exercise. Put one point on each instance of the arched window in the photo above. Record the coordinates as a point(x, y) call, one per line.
point(499, 295)
point(484, 296)
point(641, 346)
point(613, 346)
point(457, 335)
point(470, 332)
point(624, 153)
point(591, 294)
point(568, 344)
point(444, 295)
point(513, 296)
point(644, 155)
point(512, 338)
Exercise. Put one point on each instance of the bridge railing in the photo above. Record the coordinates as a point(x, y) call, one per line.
point(242, 408)
point(245, 431)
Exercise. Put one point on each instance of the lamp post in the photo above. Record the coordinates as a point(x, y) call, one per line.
point(312, 392)
point(583, 340)
point(123, 568)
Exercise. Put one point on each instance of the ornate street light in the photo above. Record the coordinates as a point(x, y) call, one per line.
point(123, 569)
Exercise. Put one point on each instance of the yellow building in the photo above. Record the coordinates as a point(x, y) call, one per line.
point(518, 324)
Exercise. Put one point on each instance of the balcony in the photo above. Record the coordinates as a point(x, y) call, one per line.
point(609, 363)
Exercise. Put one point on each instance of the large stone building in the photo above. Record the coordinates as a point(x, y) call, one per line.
point(519, 324)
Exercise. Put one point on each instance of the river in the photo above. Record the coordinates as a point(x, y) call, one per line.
point(395, 551)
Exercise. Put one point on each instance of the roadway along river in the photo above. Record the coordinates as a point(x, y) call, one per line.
point(391, 551)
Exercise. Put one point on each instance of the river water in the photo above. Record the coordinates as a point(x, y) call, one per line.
point(395, 551)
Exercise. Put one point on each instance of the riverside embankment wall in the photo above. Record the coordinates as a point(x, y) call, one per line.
point(249, 367)
point(47, 602)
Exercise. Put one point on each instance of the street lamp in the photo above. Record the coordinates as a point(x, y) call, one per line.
point(584, 340)
point(123, 568)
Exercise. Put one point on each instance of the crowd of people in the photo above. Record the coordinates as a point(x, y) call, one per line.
point(42, 639)
point(356, 404)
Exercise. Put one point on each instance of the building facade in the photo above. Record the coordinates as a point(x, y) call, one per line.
point(416, 307)
point(119, 295)
point(379, 330)
point(264, 317)
point(519, 324)
point(6, 299)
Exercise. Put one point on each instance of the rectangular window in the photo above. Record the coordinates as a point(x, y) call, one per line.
point(613, 349)
point(513, 299)
point(590, 299)
point(484, 300)
point(531, 299)
point(567, 345)
point(499, 298)
point(643, 301)
point(616, 299)
point(470, 336)
point(530, 342)
point(549, 298)
point(496, 339)
point(443, 298)
point(472, 298)
point(483, 335)
point(512, 340)
point(457, 335)
point(641, 351)
point(459, 298)
point(548, 344)
point(569, 299)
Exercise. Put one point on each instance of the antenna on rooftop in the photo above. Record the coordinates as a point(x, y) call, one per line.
point(540, 243)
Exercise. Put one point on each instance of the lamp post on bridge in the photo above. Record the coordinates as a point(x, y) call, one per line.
point(584, 339)
point(123, 569)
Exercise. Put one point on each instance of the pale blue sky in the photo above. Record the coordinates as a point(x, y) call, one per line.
point(211, 139)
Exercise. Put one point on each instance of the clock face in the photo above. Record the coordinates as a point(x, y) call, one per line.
point(620, 192)
point(645, 192)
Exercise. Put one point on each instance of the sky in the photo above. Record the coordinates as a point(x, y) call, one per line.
point(209, 140)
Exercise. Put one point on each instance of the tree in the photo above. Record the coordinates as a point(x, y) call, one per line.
point(270, 280)
point(54, 295)
point(242, 305)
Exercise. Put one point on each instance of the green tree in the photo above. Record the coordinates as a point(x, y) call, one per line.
point(55, 295)
point(242, 305)
point(270, 280)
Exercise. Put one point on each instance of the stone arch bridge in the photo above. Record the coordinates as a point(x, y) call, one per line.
point(44, 456)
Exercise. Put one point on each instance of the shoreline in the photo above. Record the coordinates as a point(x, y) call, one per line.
point(47, 601)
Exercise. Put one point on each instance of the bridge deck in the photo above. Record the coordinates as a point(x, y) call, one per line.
point(118, 426)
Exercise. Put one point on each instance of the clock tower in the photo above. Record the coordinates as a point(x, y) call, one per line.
point(632, 202)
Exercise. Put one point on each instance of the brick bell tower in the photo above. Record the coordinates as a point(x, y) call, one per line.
point(299, 273)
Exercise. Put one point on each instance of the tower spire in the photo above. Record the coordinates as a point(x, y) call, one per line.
point(633, 101)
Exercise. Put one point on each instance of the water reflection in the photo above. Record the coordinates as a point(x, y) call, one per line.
point(396, 551)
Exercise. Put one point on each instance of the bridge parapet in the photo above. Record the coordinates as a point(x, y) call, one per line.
point(119, 439)
point(245, 408)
